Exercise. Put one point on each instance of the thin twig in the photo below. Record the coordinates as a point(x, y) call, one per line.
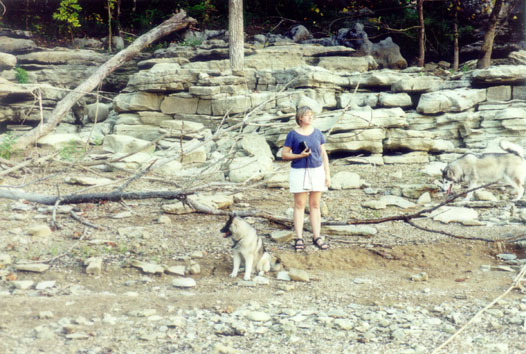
point(84, 222)
point(26, 163)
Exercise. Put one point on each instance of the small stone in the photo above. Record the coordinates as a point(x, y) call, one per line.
point(44, 333)
point(420, 277)
point(283, 275)
point(176, 321)
point(425, 198)
point(343, 324)
point(258, 316)
point(164, 219)
point(32, 267)
point(5, 259)
point(22, 284)
point(197, 255)
point(282, 236)
point(122, 215)
point(507, 256)
point(45, 315)
point(45, 284)
point(77, 336)
point(39, 231)
point(194, 268)
point(149, 268)
point(176, 270)
point(285, 287)
point(298, 275)
point(184, 283)
point(94, 265)
point(259, 280)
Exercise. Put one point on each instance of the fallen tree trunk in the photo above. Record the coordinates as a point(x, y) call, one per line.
point(115, 196)
point(175, 23)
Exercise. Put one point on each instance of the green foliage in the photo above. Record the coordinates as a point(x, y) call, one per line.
point(202, 11)
point(68, 13)
point(21, 76)
point(6, 145)
point(192, 42)
point(71, 151)
point(98, 140)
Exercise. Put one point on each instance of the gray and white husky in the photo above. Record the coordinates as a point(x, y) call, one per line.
point(246, 246)
point(507, 167)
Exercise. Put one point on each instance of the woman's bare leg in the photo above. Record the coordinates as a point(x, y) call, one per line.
point(315, 213)
point(300, 200)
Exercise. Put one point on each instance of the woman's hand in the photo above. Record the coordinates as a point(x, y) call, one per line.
point(287, 154)
point(305, 153)
point(327, 180)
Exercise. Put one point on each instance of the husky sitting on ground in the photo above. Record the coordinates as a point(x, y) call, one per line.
point(506, 167)
point(246, 245)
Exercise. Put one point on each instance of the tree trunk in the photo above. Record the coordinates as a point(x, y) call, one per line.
point(110, 36)
point(235, 34)
point(114, 196)
point(487, 46)
point(421, 34)
point(456, 49)
point(175, 23)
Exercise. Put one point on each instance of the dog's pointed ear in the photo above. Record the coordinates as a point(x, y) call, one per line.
point(226, 228)
point(444, 173)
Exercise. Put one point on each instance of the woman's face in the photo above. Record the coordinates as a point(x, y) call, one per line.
point(306, 119)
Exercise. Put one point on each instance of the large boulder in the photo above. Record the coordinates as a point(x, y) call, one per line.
point(242, 169)
point(450, 100)
point(64, 56)
point(501, 74)
point(7, 61)
point(299, 33)
point(386, 53)
point(16, 45)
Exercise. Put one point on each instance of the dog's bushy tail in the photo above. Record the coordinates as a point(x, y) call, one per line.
point(511, 147)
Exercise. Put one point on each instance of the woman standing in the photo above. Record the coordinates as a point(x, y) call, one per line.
point(309, 174)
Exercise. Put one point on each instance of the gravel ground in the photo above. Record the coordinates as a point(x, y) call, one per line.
point(401, 290)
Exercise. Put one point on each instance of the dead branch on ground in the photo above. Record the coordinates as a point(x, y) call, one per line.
point(115, 196)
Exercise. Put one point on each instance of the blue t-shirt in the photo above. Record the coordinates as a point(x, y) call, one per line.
point(314, 142)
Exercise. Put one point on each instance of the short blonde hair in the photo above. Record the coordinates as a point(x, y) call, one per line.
point(300, 112)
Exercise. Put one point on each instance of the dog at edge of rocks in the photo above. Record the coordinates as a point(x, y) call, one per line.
point(507, 167)
point(247, 246)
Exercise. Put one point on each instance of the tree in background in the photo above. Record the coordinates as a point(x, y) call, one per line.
point(421, 33)
point(499, 15)
point(235, 34)
point(455, 7)
point(489, 37)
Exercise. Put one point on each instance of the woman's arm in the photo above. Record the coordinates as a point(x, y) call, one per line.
point(287, 155)
point(325, 161)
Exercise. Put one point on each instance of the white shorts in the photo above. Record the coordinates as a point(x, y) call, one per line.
point(307, 180)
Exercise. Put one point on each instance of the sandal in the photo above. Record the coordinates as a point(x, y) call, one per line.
point(318, 242)
point(299, 245)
